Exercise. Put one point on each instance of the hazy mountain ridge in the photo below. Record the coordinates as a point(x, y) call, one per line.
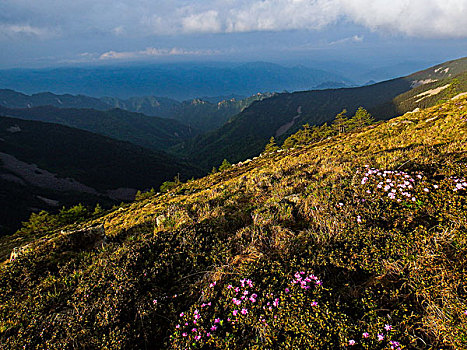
point(181, 82)
point(310, 237)
point(203, 114)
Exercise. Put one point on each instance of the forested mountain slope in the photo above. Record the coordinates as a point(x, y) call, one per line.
point(150, 132)
point(47, 166)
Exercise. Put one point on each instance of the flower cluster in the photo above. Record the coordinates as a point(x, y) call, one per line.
point(306, 281)
point(396, 185)
point(380, 337)
point(459, 184)
point(243, 298)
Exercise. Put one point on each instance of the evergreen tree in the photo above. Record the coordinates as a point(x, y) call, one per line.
point(271, 146)
point(98, 210)
point(361, 118)
point(341, 122)
point(225, 165)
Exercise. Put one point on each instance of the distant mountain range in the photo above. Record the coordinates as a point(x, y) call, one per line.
point(202, 115)
point(46, 166)
point(177, 81)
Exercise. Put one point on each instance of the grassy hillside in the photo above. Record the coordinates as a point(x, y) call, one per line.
point(425, 95)
point(96, 165)
point(247, 133)
point(358, 241)
point(150, 132)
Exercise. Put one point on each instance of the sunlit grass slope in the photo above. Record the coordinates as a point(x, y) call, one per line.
point(358, 241)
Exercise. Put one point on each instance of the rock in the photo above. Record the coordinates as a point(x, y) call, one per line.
point(19, 251)
point(87, 237)
point(160, 220)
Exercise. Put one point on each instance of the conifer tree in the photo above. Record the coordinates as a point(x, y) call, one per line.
point(361, 118)
point(225, 165)
point(340, 123)
point(271, 146)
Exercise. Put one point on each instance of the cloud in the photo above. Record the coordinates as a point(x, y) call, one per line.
point(352, 39)
point(153, 52)
point(140, 18)
point(14, 31)
point(205, 22)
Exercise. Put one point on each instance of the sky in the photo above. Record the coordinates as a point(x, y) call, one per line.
point(47, 33)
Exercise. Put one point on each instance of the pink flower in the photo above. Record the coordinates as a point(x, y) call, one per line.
point(465, 312)
point(182, 314)
point(359, 219)
point(314, 303)
point(194, 330)
point(212, 284)
point(365, 335)
point(208, 334)
point(154, 301)
point(213, 328)
point(319, 283)
point(287, 290)
point(351, 342)
point(244, 311)
point(235, 312)
point(198, 337)
point(236, 301)
point(177, 326)
point(276, 302)
point(217, 320)
point(380, 337)
point(184, 334)
point(387, 327)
